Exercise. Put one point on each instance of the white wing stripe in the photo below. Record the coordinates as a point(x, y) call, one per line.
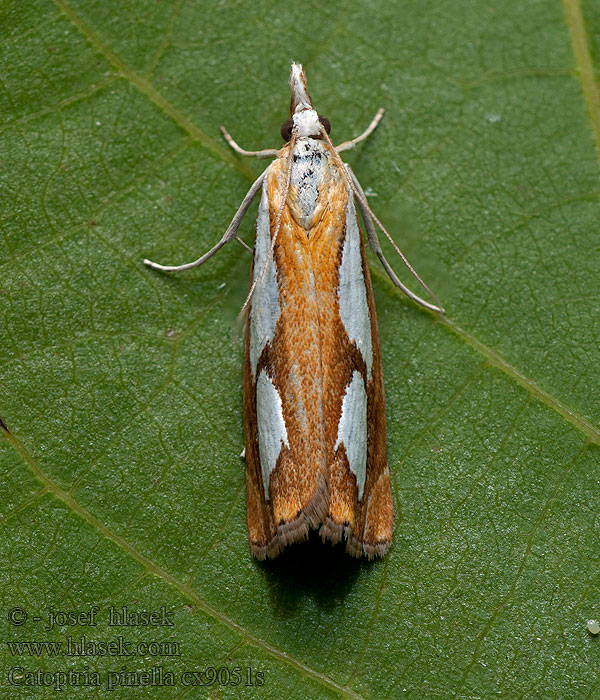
point(271, 427)
point(352, 429)
point(264, 310)
point(352, 293)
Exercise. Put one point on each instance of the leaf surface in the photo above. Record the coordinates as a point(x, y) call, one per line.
point(120, 388)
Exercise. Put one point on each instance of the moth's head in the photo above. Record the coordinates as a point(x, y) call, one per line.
point(303, 121)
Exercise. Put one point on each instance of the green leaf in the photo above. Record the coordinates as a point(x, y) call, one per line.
point(120, 388)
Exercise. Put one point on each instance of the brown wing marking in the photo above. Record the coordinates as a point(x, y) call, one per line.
point(366, 524)
point(310, 361)
point(297, 489)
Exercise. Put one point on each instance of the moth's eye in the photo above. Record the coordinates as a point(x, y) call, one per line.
point(326, 123)
point(286, 129)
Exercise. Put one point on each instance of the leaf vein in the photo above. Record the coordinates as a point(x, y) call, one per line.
point(585, 68)
point(103, 206)
point(148, 89)
point(58, 106)
point(496, 360)
point(150, 566)
point(505, 602)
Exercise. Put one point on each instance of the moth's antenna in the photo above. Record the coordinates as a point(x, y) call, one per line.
point(288, 179)
point(366, 206)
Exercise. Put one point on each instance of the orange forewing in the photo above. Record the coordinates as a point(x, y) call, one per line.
point(310, 360)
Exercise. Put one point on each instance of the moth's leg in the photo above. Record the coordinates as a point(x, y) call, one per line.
point(376, 247)
point(243, 243)
point(347, 145)
point(266, 153)
point(227, 236)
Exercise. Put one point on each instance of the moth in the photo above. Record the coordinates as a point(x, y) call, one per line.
point(314, 406)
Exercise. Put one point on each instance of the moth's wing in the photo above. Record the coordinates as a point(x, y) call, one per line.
point(263, 315)
point(313, 386)
point(284, 429)
point(360, 500)
point(262, 533)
